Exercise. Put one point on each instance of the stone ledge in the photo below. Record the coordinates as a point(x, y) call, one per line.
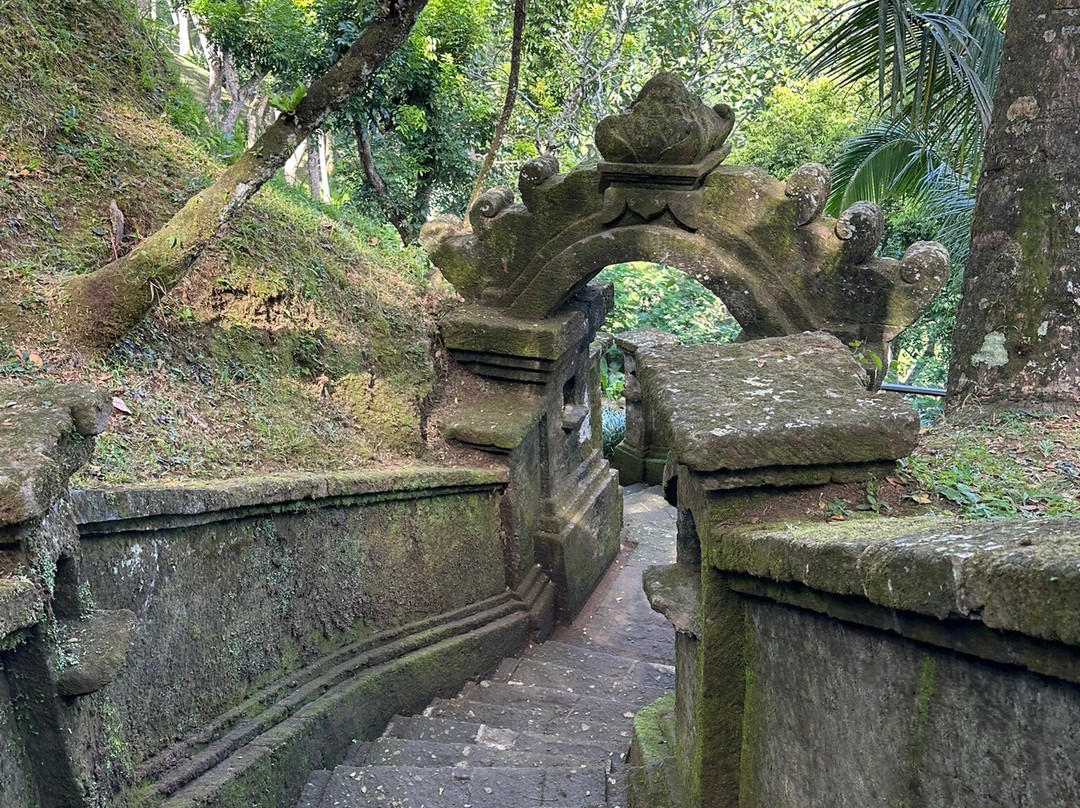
point(1014, 575)
point(143, 507)
point(498, 422)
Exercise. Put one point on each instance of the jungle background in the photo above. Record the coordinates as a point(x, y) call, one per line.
point(304, 338)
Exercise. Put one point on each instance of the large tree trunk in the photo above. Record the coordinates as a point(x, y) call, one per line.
point(508, 102)
point(101, 307)
point(214, 68)
point(378, 185)
point(1017, 339)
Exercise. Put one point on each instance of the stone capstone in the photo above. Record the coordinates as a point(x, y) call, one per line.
point(785, 401)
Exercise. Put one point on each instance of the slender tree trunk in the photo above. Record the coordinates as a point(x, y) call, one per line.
point(240, 96)
point(256, 118)
point(313, 166)
point(214, 68)
point(382, 195)
point(1016, 344)
point(520, 7)
point(144, 7)
point(292, 165)
point(102, 306)
point(325, 166)
point(183, 31)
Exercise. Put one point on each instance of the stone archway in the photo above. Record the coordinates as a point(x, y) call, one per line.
point(663, 194)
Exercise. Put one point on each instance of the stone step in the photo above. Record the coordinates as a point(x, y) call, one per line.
point(546, 703)
point(563, 736)
point(399, 752)
point(462, 787)
point(496, 715)
point(576, 656)
point(314, 788)
point(644, 683)
point(612, 735)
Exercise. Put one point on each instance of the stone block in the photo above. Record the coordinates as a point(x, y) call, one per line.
point(784, 401)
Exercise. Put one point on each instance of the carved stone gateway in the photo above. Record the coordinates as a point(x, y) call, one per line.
point(662, 193)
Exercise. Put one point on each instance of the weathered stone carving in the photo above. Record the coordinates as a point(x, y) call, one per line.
point(663, 194)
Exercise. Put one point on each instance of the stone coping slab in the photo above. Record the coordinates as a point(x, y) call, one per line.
point(783, 401)
point(1019, 575)
point(103, 505)
point(482, 329)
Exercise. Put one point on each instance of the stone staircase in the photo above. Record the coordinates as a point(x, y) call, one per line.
point(549, 728)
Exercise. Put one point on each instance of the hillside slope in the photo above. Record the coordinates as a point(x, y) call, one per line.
point(301, 341)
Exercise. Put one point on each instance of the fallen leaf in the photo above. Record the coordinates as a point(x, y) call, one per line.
point(34, 359)
point(894, 481)
point(921, 498)
point(118, 404)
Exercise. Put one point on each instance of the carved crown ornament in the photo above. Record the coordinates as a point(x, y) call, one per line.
point(663, 193)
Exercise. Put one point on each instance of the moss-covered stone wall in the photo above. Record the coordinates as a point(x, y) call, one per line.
point(850, 717)
point(264, 587)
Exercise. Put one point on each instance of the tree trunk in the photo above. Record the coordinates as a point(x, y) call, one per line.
point(508, 103)
point(313, 167)
point(382, 195)
point(326, 165)
point(214, 68)
point(183, 32)
point(292, 165)
point(102, 306)
point(1016, 344)
point(256, 118)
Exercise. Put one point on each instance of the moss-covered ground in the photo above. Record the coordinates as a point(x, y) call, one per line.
point(299, 341)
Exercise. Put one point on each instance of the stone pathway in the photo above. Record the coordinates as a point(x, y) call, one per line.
point(551, 727)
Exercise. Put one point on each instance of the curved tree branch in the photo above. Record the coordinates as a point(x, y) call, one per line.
point(101, 307)
point(378, 185)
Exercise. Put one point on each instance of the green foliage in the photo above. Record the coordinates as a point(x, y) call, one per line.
point(1020, 467)
point(657, 296)
point(289, 103)
point(612, 374)
point(809, 121)
point(613, 429)
point(424, 115)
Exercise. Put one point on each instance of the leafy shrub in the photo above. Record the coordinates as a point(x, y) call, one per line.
point(613, 428)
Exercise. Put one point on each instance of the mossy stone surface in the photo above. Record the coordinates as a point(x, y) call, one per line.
point(43, 439)
point(1018, 575)
point(783, 401)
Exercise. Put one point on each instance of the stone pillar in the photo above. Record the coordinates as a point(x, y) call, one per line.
point(538, 411)
point(641, 454)
point(54, 647)
point(749, 425)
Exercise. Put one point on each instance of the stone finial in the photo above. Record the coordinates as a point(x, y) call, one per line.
point(860, 228)
point(538, 169)
point(666, 124)
point(925, 263)
point(809, 187)
point(491, 203)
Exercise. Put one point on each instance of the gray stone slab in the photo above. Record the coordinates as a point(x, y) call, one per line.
point(398, 752)
point(1019, 575)
point(782, 401)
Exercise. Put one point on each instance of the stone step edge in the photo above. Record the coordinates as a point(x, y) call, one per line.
point(179, 752)
point(535, 650)
point(456, 772)
point(535, 737)
point(555, 760)
point(270, 740)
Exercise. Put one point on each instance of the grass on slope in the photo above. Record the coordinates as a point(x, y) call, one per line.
point(301, 341)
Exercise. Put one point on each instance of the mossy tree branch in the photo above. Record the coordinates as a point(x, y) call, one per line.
point(99, 308)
